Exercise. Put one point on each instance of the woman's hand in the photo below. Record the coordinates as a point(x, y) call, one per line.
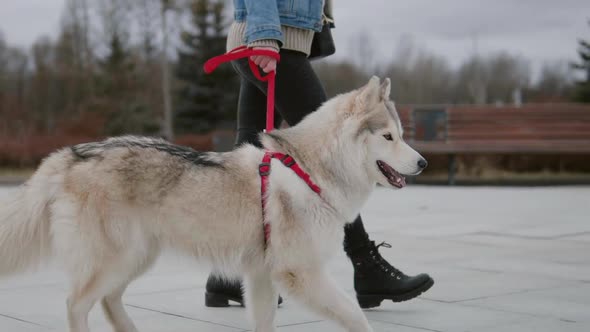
point(267, 63)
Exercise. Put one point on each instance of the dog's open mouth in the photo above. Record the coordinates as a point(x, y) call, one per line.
point(393, 177)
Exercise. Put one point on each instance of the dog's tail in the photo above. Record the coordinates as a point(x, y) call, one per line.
point(25, 220)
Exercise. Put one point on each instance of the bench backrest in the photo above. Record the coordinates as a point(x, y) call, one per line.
point(481, 123)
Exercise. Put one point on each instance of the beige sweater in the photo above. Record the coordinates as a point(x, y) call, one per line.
point(294, 38)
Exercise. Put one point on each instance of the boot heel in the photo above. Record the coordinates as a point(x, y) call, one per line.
point(368, 301)
point(213, 300)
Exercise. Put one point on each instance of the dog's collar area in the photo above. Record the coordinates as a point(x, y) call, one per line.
point(264, 171)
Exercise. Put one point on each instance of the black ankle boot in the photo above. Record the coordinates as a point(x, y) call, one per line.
point(376, 280)
point(220, 291)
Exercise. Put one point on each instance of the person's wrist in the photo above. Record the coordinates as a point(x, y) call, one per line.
point(270, 44)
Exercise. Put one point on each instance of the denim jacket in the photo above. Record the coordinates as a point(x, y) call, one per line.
point(265, 17)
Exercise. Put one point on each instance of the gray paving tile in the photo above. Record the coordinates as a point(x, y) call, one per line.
point(189, 303)
point(585, 238)
point(45, 277)
point(45, 306)
point(440, 316)
point(557, 250)
point(149, 321)
point(15, 325)
point(533, 266)
point(464, 285)
point(570, 304)
point(329, 326)
point(579, 294)
point(542, 325)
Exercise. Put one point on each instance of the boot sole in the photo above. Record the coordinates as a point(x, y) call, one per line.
point(374, 300)
point(217, 300)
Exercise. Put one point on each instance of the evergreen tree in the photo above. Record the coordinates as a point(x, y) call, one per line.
point(117, 67)
point(204, 101)
point(122, 89)
point(583, 88)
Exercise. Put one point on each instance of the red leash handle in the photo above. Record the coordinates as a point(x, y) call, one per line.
point(245, 52)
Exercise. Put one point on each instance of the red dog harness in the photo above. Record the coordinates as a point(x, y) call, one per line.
point(264, 171)
point(264, 167)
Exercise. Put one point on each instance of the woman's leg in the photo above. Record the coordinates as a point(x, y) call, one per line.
point(298, 90)
point(251, 122)
point(251, 114)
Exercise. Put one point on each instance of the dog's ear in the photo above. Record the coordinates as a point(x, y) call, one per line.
point(369, 95)
point(385, 89)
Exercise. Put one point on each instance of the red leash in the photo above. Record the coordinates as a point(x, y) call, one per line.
point(264, 167)
point(245, 52)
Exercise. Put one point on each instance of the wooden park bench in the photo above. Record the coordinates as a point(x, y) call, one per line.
point(530, 129)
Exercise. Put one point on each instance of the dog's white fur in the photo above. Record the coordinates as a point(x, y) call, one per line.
point(105, 210)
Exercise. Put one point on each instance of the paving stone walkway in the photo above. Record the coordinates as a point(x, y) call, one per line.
point(503, 259)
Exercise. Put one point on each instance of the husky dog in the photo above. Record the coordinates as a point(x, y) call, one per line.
point(105, 210)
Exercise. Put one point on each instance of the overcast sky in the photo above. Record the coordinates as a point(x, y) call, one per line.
point(540, 30)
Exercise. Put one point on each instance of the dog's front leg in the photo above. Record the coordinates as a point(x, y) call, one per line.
point(316, 289)
point(261, 299)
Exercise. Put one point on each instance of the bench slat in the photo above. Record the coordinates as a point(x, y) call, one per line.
point(517, 134)
point(540, 147)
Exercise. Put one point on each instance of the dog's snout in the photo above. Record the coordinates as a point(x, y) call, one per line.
point(422, 163)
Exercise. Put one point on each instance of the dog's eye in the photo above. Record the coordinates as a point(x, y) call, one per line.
point(388, 137)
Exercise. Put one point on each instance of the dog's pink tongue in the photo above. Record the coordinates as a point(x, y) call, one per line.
point(401, 181)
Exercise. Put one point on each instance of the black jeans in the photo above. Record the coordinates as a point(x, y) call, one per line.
point(298, 92)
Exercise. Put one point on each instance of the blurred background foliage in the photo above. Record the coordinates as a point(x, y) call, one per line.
point(111, 71)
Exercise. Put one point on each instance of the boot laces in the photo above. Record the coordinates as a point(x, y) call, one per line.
point(381, 262)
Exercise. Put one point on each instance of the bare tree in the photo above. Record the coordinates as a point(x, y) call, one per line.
point(43, 99)
point(340, 77)
point(148, 16)
point(471, 82)
point(13, 84)
point(417, 75)
point(491, 79)
point(363, 49)
point(116, 23)
point(507, 73)
point(168, 125)
point(76, 19)
point(555, 83)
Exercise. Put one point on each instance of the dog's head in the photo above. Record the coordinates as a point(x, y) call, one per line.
point(388, 158)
